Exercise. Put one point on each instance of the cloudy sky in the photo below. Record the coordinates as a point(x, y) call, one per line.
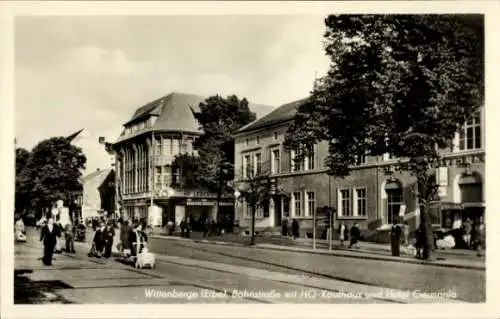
point(93, 72)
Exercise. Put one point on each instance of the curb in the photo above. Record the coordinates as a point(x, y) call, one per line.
point(328, 253)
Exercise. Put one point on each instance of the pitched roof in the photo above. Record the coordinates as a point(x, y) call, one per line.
point(282, 114)
point(175, 113)
point(97, 176)
point(74, 135)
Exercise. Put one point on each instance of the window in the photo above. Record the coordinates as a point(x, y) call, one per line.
point(176, 146)
point(275, 161)
point(258, 140)
point(295, 165)
point(265, 208)
point(247, 209)
point(344, 202)
point(167, 146)
point(296, 205)
point(158, 175)
point(167, 175)
point(258, 163)
point(394, 202)
point(176, 176)
point(360, 202)
point(275, 136)
point(470, 135)
point(246, 142)
point(309, 159)
point(247, 166)
point(311, 203)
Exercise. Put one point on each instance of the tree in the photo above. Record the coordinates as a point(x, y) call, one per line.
point(22, 183)
point(186, 166)
point(55, 168)
point(255, 191)
point(219, 118)
point(397, 84)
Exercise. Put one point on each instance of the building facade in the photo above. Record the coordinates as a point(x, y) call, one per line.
point(146, 179)
point(373, 195)
point(98, 194)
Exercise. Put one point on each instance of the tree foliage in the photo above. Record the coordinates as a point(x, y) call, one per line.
point(219, 117)
point(21, 189)
point(188, 168)
point(255, 191)
point(398, 84)
point(52, 171)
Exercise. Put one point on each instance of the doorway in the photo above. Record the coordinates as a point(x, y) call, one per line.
point(277, 211)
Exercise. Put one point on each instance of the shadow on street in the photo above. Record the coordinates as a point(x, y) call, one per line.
point(27, 291)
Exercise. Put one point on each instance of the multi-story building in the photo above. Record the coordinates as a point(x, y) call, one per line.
point(373, 195)
point(145, 151)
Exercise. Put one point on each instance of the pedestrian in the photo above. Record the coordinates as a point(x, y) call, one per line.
point(213, 227)
point(188, 226)
point(480, 238)
point(354, 236)
point(183, 226)
point(70, 238)
point(395, 238)
point(467, 229)
point(295, 229)
point(125, 231)
point(98, 242)
point(406, 233)
point(109, 234)
point(48, 236)
point(342, 233)
point(138, 239)
point(170, 227)
point(284, 227)
point(419, 243)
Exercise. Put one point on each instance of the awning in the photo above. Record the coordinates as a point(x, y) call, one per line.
point(448, 205)
point(206, 203)
point(474, 204)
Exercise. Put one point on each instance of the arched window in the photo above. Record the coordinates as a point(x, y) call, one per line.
point(394, 200)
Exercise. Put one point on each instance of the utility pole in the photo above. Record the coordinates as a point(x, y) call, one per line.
point(330, 212)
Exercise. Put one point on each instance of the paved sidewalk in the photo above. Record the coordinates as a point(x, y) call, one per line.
point(456, 261)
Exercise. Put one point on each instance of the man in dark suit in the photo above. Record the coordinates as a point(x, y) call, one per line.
point(109, 234)
point(48, 236)
point(125, 233)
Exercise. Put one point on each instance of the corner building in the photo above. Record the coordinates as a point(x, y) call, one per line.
point(145, 151)
point(373, 195)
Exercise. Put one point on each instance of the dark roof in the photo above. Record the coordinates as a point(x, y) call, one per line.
point(74, 135)
point(175, 113)
point(282, 114)
point(101, 174)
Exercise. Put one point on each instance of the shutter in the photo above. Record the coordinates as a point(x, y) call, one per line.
point(354, 202)
point(339, 203)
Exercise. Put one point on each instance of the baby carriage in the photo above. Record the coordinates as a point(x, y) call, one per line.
point(20, 236)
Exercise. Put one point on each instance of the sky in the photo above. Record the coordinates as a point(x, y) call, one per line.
point(92, 72)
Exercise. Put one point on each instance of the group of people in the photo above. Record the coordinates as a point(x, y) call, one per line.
point(351, 235)
point(133, 239)
point(293, 231)
point(102, 242)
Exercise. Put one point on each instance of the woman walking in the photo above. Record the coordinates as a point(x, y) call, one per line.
point(342, 233)
point(48, 236)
